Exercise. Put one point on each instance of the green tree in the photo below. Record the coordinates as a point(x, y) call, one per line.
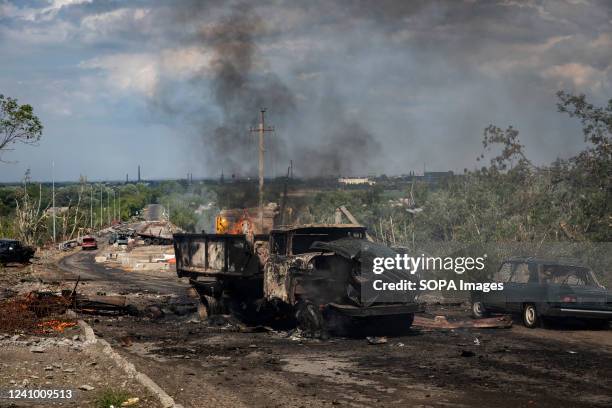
point(588, 178)
point(18, 123)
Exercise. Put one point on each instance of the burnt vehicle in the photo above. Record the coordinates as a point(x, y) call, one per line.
point(321, 272)
point(309, 273)
point(226, 270)
point(156, 232)
point(540, 290)
point(12, 250)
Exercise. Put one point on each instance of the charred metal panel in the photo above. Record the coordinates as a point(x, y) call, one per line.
point(215, 256)
point(275, 281)
point(212, 254)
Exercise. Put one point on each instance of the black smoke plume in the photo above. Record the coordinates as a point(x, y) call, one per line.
point(240, 81)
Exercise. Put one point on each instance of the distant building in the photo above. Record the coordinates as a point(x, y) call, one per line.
point(356, 181)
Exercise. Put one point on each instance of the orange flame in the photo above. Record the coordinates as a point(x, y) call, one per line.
point(55, 325)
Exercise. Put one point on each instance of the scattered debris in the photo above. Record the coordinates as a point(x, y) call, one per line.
point(376, 340)
point(441, 322)
point(30, 312)
point(86, 387)
point(130, 401)
point(103, 304)
point(157, 232)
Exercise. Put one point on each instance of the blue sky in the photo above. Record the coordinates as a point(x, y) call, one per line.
point(382, 86)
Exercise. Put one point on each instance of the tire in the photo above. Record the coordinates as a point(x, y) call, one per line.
point(478, 310)
point(309, 319)
point(202, 311)
point(530, 316)
point(212, 305)
point(598, 324)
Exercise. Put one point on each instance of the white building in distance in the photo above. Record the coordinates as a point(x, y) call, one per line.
point(356, 181)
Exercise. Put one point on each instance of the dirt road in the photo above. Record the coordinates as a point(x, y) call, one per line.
point(202, 363)
point(82, 263)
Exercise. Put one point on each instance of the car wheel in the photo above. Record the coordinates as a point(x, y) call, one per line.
point(530, 316)
point(478, 310)
point(597, 324)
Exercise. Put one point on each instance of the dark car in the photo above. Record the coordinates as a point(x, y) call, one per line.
point(14, 251)
point(539, 289)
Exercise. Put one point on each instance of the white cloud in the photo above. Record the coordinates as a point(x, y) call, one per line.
point(142, 72)
point(99, 25)
point(127, 71)
point(38, 14)
point(582, 77)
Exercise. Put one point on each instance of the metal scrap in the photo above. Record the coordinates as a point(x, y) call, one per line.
point(442, 323)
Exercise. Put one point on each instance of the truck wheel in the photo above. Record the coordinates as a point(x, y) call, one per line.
point(478, 310)
point(309, 318)
point(213, 305)
point(202, 311)
point(530, 316)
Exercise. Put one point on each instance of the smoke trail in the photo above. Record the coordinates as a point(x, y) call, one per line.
point(240, 82)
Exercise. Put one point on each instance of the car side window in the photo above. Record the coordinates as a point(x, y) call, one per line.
point(503, 274)
point(521, 273)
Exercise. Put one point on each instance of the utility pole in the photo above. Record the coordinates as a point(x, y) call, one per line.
point(91, 210)
point(101, 211)
point(119, 197)
point(262, 129)
point(114, 206)
point(53, 195)
point(108, 207)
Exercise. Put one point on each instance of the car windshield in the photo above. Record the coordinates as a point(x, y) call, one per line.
point(567, 275)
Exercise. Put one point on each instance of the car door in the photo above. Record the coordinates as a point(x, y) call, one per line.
point(522, 286)
point(496, 299)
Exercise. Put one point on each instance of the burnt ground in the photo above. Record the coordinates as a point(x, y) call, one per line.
point(204, 363)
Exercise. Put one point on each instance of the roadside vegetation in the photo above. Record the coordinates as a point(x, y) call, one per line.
point(111, 398)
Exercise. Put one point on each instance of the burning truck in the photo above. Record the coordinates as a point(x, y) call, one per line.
point(311, 274)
